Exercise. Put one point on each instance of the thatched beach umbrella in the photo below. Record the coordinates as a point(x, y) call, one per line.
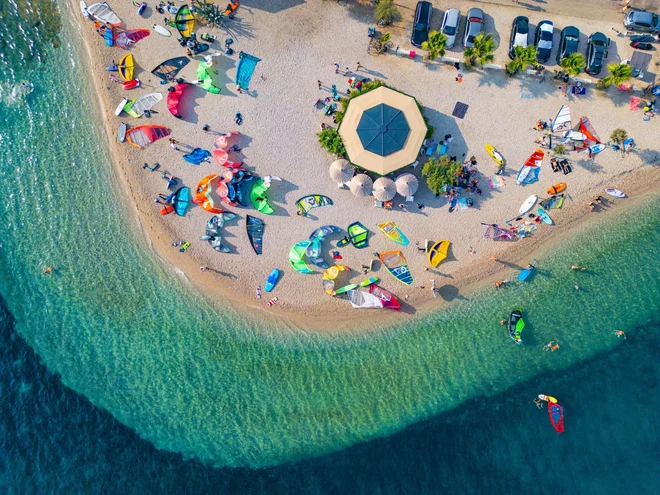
point(384, 189)
point(341, 171)
point(406, 185)
point(382, 130)
point(361, 185)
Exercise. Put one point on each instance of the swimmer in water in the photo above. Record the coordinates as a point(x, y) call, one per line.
point(619, 334)
point(502, 322)
point(538, 402)
point(48, 270)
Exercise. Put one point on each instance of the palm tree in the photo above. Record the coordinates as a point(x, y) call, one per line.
point(619, 73)
point(619, 136)
point(574, 63)
point(435, 45)
point(522, 58)
point(386, 12)
point(481, 52)
point(559, 150)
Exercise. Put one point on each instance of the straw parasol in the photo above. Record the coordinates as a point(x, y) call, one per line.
point(361, 185)
point(382, 130)
point(341, 171)
point(384, 189)
point(406, 185)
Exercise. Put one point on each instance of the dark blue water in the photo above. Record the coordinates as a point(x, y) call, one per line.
point(53, 440)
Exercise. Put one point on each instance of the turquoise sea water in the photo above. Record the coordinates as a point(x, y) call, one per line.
point(425, 406)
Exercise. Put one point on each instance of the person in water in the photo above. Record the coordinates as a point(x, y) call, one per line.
point(48, 270)
point(576, 267)
point(502, 322)
point(619, 334)
point(538, 402)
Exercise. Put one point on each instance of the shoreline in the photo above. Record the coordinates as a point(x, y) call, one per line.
point(468, 279)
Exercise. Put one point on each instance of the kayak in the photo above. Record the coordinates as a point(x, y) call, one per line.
point(272, 280)
point(557, 188)
point(494, 154)
point(528, 204)
point(556, 413)
point(615, 192)
point(526, 272)
point(516, 325)
point(133, 83)
point(544, 216)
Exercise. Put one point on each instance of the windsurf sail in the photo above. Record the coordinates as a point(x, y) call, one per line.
point(255, 232)
point(197, 156)
point(314, 249)
point(174, 96)
point(492, 231)
point(306, 203)
point(586, 128)
point(125, 39)
point(386, 297)
point(554, 202)
point(258, 198)
point(125, 67)
point(184, 21)
point(144, 135)
point(296, 257)
point(438, 252)
point(168, 70)
point(529, 172)
point(562, 121)
point(393, 232)
point(103, 13)
point(360, 299)
point(139, 105)
point(556, 413)
point(358, 235)
point(397, 266)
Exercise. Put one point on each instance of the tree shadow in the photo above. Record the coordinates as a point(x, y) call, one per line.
point(650, 156)
point(450, 293)
point(272, 6)
point(497, 78)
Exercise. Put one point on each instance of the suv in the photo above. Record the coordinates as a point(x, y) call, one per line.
point(596, 53)
point(450, 23)
point(640, 20)
point(420, 32)
point(569, 42)
point(519, 35)
point(473, 26)
point(543, 41)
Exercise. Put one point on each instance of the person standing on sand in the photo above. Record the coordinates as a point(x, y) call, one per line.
point(203, 268)
point(206, 128)
point(358, 65)
point(336, 68)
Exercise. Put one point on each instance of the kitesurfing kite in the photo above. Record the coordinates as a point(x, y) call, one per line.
point(296, 257)
point(170, 68)
point(306, 203)
point(316, 242)
point(144, 135)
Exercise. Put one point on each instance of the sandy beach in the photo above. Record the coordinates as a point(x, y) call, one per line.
point(298, 44)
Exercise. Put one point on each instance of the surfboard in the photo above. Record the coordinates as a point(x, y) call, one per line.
point(121, 133)
point(544, 216)
point(596, 148)
point(615, 192)
point(83, 9)
point(494, 154)
point(162, 30)
point(120, 107)
point(528, 204)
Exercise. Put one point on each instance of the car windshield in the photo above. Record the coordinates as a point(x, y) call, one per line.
point(421, 27)
point(450, 30)
point(655, 20)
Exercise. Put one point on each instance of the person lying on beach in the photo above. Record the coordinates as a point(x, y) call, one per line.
point(599, 200)
point(592, 206)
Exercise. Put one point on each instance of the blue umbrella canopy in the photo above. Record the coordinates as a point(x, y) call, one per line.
point(383, 129)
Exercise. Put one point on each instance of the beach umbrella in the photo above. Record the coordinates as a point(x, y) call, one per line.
point(361, 185)
point(382, 130)
point(341, 171)
point(406, 185)
point(384, 189)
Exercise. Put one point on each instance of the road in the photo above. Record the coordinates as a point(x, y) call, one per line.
point(602, 10)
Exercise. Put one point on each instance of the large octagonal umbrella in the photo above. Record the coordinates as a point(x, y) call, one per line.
point(341, 171)
point(406, 185)
point(384, 189)
point(361, 185)
point(382, 130)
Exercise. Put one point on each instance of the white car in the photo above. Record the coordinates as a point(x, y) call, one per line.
point(450, 24)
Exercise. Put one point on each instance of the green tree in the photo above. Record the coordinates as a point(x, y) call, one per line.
point(481, 52)
point(619, 73)
point(381, 44)
point(619, 136)
point(559, 150)
point(435, 45)
point(574, 63)
point(441, 172)
point(386, 12)
point(331, 141)
point(522, 58)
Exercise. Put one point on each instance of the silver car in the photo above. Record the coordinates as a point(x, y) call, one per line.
point(450, 24)
point(473, 26)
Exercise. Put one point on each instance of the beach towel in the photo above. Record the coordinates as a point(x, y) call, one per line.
point(460, 110)
point(462, 202)
point(495, 182)
point(246, 66)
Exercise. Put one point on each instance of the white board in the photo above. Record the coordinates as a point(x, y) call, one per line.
point(528, 204)
point(161, 30)
point(120, 107)
point(615, 192)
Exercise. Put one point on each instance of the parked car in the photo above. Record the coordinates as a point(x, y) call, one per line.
point(473, 26)
point(569, 42)
point(421, 23)
point(596, 53)
point(543, 41)
point(519, 35)
point(450, 23)
point(640, 20)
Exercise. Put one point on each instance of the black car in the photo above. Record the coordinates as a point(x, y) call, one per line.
point(596, 53)
point(543, 41)
point(421, 23)
point(569, 42)
point(519, 35)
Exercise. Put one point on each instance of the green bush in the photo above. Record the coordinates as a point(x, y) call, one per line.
point(331, 141)
point(440, 173)
point(386, 12)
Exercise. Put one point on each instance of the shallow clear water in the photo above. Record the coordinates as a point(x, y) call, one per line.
point(130, 336)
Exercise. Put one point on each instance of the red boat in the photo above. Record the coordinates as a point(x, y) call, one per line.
point(556, 416)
